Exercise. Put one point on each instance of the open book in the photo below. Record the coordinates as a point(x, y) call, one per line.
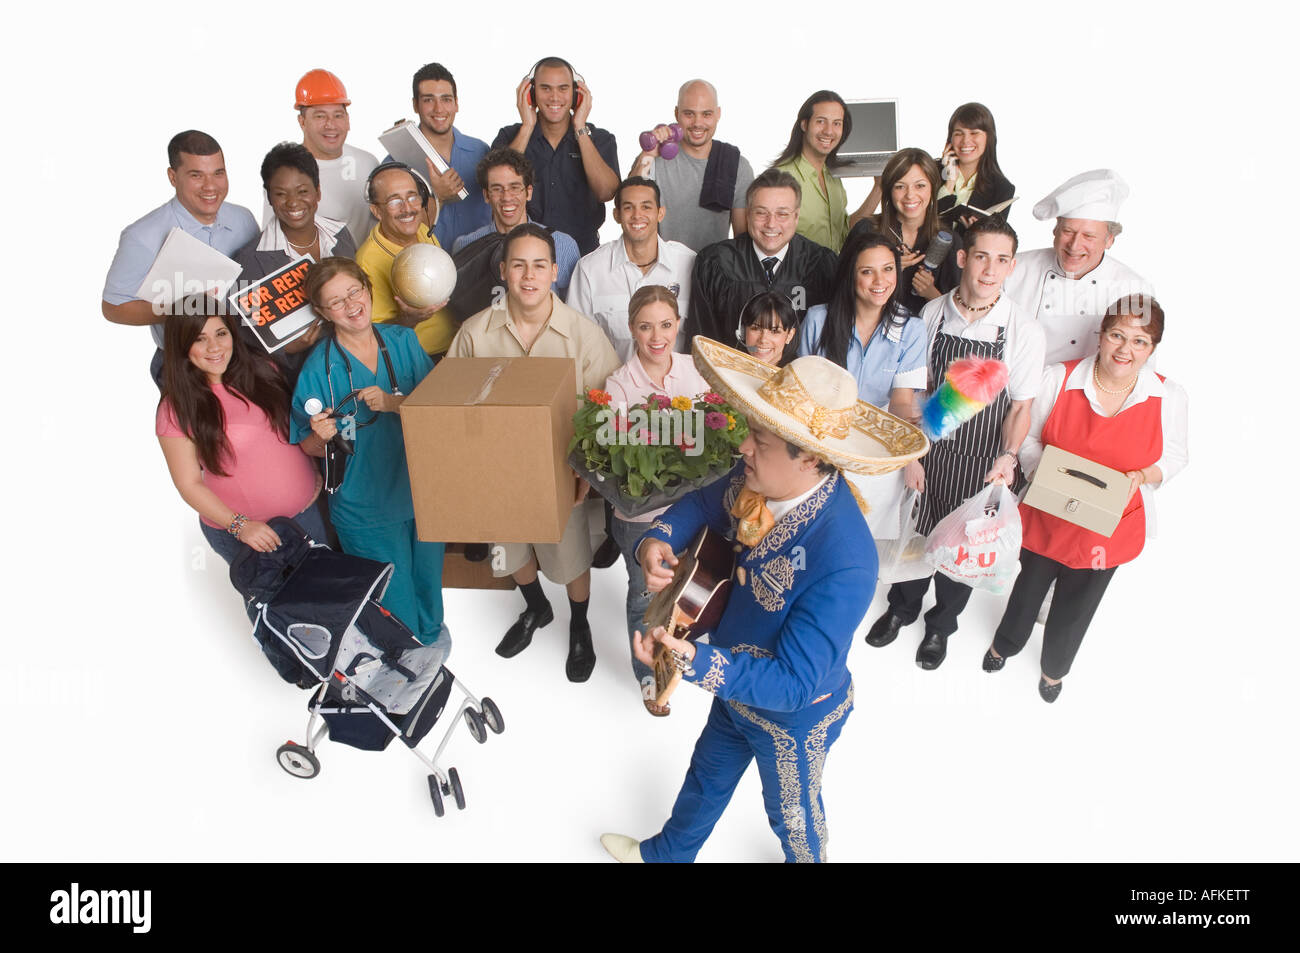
point(961, 211)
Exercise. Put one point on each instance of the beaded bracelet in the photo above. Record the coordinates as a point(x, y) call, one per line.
point(237, 525)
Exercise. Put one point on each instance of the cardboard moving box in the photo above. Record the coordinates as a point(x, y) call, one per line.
point(486, 445)
point(459, 573)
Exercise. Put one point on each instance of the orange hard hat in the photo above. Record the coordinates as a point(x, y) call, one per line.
point(320, 87)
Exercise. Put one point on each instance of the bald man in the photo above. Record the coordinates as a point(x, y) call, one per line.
point(704, 185)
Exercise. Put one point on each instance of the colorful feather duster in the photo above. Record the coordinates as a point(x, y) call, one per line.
point(968, 387)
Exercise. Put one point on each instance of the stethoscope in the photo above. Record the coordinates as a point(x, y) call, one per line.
point(351, 396)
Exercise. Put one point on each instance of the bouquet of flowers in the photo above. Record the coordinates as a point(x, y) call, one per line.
point(656, 451)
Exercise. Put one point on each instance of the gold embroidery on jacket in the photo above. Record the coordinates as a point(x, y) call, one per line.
point(753, 650)
point(660, 524)
point(771, 580)
point(790, 524)
point(815, 748)
point(715, 678)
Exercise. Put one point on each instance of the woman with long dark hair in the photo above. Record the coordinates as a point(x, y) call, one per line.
point(223, 424)
point(866, 330)
point(971, 175)
point(909, 216)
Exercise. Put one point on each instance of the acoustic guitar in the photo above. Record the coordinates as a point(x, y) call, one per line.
point(692, 603)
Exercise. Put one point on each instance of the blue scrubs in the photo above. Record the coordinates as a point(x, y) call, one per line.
point(372, 510)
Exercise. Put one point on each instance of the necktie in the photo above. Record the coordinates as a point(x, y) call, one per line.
point(754, 518)
point(769, 268)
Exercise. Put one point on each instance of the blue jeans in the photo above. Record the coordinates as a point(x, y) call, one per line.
point(627, 534)
point(227, 547)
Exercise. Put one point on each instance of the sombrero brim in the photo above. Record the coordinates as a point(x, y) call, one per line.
point(878, 442)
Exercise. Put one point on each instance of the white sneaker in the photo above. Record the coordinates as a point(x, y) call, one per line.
point(624, 849)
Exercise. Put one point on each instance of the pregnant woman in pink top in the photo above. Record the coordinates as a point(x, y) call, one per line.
point(223, 423)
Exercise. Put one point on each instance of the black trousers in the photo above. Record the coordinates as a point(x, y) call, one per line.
point(1078, 593)
point(950, 598)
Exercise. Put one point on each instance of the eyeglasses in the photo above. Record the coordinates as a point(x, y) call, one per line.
point(1119, 339)
point(782, 215)
point(514, 188)
point(338, 304)
point(395, 205)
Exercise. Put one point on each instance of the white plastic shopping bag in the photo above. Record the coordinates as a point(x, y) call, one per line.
point(979, 542)
point(902, 559)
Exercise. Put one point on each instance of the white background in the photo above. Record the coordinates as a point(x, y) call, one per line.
point(141, 721)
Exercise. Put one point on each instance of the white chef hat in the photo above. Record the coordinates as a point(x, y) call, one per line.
point(1095, 195)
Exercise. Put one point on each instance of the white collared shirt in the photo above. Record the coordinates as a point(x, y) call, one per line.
point(778, 508)
point(779, 255)
point(1173, 420)
point(1022, 353)
point(273, 237)
point(604, 281)
point(1070, 310)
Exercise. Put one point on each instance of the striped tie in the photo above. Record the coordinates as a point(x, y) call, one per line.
point(769, 269)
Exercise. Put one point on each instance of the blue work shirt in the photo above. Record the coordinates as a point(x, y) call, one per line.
point(140, 242)
point(562, 199)
point(566, 253)
point(894, 357)
point(376, 490)
point(457, 218)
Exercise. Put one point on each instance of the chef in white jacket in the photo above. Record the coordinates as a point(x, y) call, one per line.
point(1069, 286)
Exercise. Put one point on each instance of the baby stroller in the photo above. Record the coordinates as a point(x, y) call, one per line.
point(320, 624)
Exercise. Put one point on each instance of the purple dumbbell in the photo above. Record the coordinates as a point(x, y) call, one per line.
point(668, 148)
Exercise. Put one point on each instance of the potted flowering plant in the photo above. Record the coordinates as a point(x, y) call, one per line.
point(655, 452)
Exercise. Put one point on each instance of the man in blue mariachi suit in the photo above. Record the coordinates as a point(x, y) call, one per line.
point(806, 571)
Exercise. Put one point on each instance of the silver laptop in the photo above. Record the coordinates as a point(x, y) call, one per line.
point(874, 138)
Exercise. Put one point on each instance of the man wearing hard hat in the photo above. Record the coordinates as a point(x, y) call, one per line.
point(322, 103)
point(1069, 286)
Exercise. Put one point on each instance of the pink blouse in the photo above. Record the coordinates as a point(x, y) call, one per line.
point(267, 475)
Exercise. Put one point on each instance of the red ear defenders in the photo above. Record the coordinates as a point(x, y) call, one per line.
point(420, 185)
point(532, 83)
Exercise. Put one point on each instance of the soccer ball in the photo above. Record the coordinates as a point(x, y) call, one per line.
point(424, 275)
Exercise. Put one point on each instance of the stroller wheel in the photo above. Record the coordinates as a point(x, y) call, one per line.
point(492, 715)
point(453, 778)
point(297, 760)
point(476, 726)
point(436, 795)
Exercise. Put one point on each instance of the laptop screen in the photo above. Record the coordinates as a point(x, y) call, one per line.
point(875, 129)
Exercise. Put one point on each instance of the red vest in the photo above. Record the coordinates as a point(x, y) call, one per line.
point(1131, 440)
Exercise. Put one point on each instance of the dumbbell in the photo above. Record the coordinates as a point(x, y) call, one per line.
point(668, 148)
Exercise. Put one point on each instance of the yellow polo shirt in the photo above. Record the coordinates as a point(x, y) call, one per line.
point(375, 256)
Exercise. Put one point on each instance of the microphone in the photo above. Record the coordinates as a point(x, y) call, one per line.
point(937, 252)
point(312, 406)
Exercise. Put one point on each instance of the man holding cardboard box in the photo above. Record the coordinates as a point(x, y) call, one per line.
point(533, 322)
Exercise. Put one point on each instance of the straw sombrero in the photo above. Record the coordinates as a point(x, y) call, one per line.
point(813, 403)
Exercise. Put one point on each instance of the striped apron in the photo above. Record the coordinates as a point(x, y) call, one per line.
point(956, 466)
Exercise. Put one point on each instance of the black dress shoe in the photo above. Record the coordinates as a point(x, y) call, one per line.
point(932, 651)
point(884, 630)
point(582, 657)
point(606, 555)
point(993, 663)
point(519, 635)
point(1048, 693)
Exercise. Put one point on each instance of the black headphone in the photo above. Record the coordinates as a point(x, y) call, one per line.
point(421, 186)
point(532, 82)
